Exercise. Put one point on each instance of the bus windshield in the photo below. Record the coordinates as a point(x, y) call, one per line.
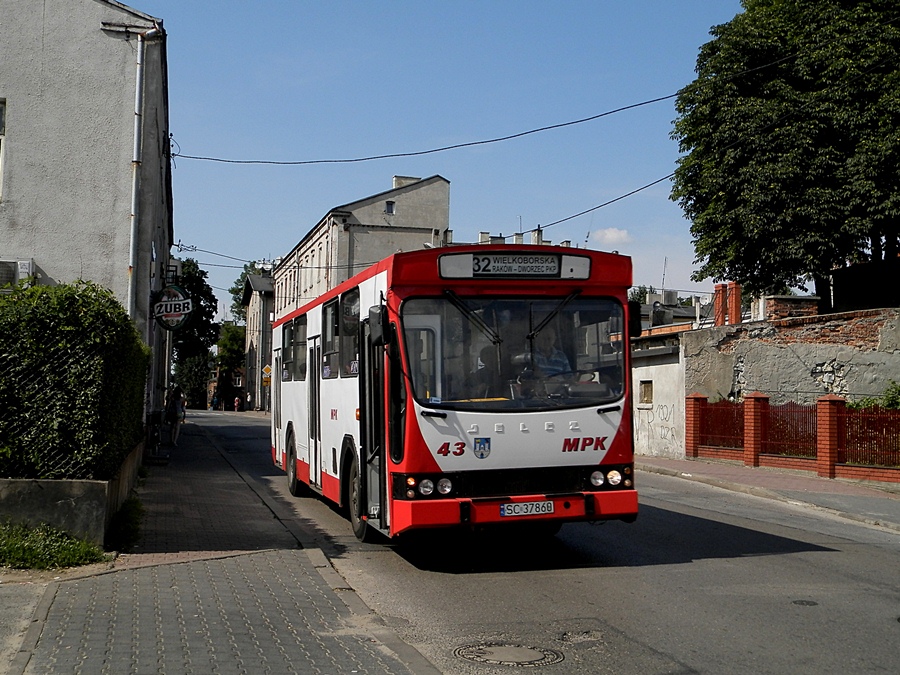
point(514, 353)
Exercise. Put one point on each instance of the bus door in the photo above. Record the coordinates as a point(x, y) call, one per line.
point(315, 423)
point(372, 441)
point(276, 403)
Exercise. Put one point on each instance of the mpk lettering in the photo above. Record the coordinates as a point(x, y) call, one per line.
point(582, 444)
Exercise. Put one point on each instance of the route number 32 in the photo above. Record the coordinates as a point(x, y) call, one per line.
point(458, 449)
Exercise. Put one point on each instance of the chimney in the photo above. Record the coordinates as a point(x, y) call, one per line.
point(719, 305)
point(403, 181)
point(734, 302)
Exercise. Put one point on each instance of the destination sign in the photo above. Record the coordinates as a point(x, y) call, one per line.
point(506, 264)
point(515, 265)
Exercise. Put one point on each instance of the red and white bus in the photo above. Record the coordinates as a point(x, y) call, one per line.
point(462, 386)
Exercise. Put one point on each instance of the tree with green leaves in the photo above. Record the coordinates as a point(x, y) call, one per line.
point(238, 311)
point(230, 357)
point(192, 375)
point(639, 293)
point(201, 331)
point(791, 142)
point(231, 346)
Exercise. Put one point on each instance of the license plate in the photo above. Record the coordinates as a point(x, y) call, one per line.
point(525, 508)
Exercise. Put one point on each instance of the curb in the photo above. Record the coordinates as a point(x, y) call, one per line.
point(361, 612)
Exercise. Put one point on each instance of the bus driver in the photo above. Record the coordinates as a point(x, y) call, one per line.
point(549, 359)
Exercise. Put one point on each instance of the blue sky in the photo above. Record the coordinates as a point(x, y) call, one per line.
point(300, 80)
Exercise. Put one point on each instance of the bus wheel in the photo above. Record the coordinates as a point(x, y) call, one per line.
point(293, 483)
point(360, 527)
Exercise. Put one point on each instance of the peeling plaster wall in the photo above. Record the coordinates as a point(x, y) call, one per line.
point(854, 354)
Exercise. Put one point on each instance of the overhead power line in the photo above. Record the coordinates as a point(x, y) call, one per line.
point(433, 150)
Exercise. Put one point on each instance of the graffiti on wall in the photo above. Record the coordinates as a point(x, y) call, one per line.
point(656, 431)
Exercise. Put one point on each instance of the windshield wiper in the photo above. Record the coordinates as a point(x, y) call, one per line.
point(547, 319)
point(473, 317)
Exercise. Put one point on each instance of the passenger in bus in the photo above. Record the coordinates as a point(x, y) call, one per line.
point(486, 380)
point(548, 358)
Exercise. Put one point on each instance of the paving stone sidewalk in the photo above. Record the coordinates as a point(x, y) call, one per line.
point(216, 585)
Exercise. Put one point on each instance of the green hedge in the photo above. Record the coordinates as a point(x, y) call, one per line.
point(72, 377)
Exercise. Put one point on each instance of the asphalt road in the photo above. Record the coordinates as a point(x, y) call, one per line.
point(706, 581)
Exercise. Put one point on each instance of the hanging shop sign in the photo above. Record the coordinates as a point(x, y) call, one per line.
point(172, 308)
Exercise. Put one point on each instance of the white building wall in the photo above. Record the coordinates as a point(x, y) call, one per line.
point(659, 422)
point(68, 80)
point(69, 87)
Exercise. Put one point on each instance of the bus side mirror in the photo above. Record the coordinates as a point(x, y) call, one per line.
point(634, 318)
point(379, 326)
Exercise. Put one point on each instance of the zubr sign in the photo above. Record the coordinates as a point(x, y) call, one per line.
point(172, 308)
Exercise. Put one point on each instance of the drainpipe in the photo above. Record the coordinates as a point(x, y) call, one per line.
point(136, 167)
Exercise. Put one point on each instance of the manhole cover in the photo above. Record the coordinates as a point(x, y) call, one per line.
point(499, 654)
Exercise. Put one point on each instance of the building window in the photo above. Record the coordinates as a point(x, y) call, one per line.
point(389, 208)
point(646, 392)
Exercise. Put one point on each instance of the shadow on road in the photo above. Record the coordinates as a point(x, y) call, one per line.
point(659, 537)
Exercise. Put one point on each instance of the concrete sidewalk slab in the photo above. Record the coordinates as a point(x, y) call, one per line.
point(872, 504)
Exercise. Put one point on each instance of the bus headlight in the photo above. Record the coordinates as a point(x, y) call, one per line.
point(444, 486)
point(426, 487)
point(614, 477)
point(597, 478)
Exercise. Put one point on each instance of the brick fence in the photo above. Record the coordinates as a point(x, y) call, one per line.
point(827, 455)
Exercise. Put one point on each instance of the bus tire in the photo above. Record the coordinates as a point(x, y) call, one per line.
point(354, 506)
point(294, 484)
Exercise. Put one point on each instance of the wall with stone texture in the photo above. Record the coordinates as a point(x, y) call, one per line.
point(853, 354)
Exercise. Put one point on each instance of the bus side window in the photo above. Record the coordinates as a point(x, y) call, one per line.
point(287, 343)
point(330, 347)
point(299, 351)
point(350, 333)
point(422, 363)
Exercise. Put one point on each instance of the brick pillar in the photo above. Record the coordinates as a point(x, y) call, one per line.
point(756, 426)
point(719, 305)
point(693, 416)
point(828, 409)
point(734, 302)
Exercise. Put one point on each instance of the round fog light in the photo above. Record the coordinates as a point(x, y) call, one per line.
point(597, 478)
point(445, 486)
point(614, 477)
point(426, 487)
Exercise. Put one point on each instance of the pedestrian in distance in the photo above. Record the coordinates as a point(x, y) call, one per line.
point(237, 403)
point(175, 412)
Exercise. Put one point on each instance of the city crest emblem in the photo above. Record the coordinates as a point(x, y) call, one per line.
point(482, 448)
